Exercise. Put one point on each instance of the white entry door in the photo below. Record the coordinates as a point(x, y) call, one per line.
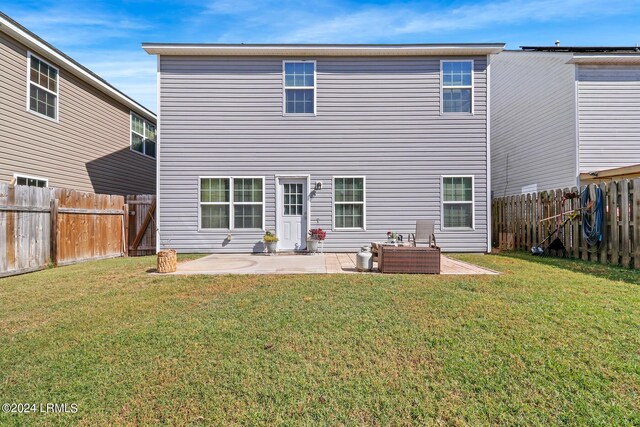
point(292, 214)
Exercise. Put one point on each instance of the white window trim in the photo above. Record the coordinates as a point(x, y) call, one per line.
point(144, 137)
point(472, 87)
point(231, 203)
point(364, 204)
point(29, 83)
point(473, 203)
point(285, 88)
point(24, 175)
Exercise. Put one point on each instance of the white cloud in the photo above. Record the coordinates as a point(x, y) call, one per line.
point(399, 21)
point(287, 21)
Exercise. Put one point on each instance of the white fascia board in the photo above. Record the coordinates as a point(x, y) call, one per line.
point(322, 50)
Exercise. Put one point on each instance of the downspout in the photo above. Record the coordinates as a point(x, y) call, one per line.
point(158, 145)
point(489, 219)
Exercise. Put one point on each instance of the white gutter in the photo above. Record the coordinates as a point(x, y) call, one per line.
point(71, 66)
point(321, 50)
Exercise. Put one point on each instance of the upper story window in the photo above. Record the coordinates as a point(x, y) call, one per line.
point(299, 87)
point(143, 136)
point(457, 87)
point(43, 88)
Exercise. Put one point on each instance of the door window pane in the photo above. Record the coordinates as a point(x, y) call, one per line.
point(293, 199)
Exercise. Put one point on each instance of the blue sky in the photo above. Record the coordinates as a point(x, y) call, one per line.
point(106, 36)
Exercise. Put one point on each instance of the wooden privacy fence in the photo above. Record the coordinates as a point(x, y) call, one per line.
point(42, 226)
point(521, 222)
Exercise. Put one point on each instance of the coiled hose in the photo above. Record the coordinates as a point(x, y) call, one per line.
point(592, 218)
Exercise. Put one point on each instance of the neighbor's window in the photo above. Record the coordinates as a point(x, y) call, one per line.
point(31, 181)
point(221, 196)
point(457, 202)
point(349, 202)
point(457, 86)
point(299, 87)
point(143, 136)
point(43, 88)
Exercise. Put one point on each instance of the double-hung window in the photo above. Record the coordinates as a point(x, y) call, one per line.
point(457, 202)
point(231, 203)
point(456, 86)
point(247, 202)
point(299, 87)
point(143, 136)
point(43, 88)
point(349, 202)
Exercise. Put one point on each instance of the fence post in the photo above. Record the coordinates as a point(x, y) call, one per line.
point(125, 230)
point(624, 220)
point(635, 210)
point(54, 232)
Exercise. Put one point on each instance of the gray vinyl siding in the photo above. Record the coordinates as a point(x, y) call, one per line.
point(609, 109)
point(533, 122)
point(378, 118)
point(88, 149)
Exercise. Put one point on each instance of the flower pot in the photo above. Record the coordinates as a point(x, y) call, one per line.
point(312, 246)
point(272, 247)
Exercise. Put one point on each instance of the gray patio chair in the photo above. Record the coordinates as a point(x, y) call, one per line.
point(424, 234)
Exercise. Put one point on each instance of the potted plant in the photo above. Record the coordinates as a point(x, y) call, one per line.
point(271, 241)
point(315, 235)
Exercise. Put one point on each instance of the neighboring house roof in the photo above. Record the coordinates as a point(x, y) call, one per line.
point(300, 50)
point(593, 49)
point(42, 48)
point(606, 59)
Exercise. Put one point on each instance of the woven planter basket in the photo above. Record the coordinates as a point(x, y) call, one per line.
point(167, 261)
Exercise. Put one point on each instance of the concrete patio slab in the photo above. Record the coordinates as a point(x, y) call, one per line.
point(299, 264)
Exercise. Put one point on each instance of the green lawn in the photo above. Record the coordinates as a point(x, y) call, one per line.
point(547, 342)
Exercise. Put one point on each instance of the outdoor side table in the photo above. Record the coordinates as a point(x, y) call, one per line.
point(409, 259)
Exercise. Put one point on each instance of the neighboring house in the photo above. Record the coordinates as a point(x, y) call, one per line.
point(61, 125)
point(355, 139)
point(564, 116)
